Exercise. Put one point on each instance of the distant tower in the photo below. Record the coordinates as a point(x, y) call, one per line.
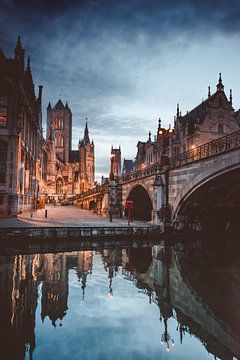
point(86, 161)
point(116, 162)
point(59, 118)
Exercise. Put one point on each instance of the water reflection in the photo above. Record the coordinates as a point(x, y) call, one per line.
point(174, 298)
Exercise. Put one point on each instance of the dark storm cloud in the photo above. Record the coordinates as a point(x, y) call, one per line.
point(107, 58)
point(137, 14)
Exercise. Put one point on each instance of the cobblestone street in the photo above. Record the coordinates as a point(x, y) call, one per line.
point(57, 216)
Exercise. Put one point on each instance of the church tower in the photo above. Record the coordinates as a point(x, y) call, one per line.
point(116, 153)
point(59, 118)
point(86, 161)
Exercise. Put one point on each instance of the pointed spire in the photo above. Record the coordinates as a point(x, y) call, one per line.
point(49, 106)
point(209, 92)
point(149, 136)
point(86, 134)
point(230, 98)
point(66, 105)
point(220, 86)
point(19, 55)
point(178, 110)
point(159, 124)
point(18, 43)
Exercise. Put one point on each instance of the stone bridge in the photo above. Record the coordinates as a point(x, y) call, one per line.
point(196, 187)
point(200, 185)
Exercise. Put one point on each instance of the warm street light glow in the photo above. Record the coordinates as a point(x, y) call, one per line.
point(193, 147)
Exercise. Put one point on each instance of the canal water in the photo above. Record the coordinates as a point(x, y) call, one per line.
point(159, 302)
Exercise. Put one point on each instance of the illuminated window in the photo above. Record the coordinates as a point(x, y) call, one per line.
point(3, 110)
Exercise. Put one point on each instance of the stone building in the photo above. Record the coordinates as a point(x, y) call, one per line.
point(69, 172)
point(21, 136)
point(213, 118)
point(210, 120)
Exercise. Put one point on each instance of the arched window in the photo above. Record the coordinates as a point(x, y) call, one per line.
point(59, 186)
point(220, 128)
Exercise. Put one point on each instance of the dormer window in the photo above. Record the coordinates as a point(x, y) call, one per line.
point(3, 111)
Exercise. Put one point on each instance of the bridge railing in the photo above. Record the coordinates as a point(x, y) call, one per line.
point(145, 171)
point(95, 190)
point(214, 147)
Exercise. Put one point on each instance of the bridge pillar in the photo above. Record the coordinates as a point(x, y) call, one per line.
point(115, 199)
point(158, 189)
point(105, 202)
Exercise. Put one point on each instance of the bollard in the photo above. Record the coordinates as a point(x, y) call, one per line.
point(45, 213)
point(110, 217)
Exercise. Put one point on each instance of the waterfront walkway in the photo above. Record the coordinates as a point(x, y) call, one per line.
point(65, 216)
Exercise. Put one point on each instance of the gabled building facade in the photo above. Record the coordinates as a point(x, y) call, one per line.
point(21, 136)
point(213, 118)
point(210, 120)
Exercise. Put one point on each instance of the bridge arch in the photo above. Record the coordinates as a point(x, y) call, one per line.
point(214, 201)
point(142, 203)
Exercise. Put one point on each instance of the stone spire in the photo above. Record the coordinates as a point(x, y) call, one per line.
point(178, 112)
point(209, 92)
point(19, 56)
point(149, 136)
point(86, 134)
point(220, 86)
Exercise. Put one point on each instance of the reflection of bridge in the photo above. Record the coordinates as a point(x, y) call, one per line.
point(176, 286)
point(192, 187)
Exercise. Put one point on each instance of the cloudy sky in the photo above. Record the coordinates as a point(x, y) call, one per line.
point(122, 63)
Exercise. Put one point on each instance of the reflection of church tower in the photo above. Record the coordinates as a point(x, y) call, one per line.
point(84, 267)
point(55, 287)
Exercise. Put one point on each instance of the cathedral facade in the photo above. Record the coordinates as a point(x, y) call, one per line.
point(69, 172)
